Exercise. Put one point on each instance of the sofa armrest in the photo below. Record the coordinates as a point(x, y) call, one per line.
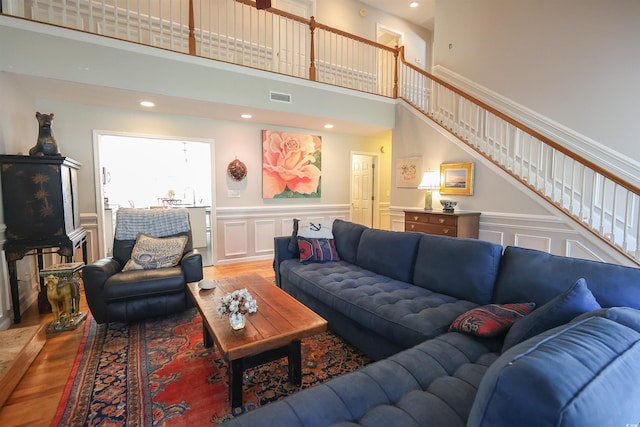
point(281, 253)
point(192, 266)
point(94, 276)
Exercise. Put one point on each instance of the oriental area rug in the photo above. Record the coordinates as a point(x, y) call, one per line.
point(158, 373)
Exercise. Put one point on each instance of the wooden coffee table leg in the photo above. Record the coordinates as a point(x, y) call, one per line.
point(208, 339)
point(236, 368)
point(295, 363)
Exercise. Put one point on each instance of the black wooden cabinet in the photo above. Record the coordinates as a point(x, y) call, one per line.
point(40, 201)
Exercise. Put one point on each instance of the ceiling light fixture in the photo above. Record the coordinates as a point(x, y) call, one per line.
point(246, 116)
point(328, 126)
point(414, 4)
point(147, 104)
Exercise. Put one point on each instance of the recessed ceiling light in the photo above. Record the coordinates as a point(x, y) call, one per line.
point(147, 104)
point(414, 4)
point(246, 116)
point(328, 126)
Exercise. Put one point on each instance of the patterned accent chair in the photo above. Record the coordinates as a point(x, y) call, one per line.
point(126, 288)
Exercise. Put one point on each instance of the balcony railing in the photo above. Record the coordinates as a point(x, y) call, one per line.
point(276, 41)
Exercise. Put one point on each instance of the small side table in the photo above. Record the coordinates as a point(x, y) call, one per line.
point(63, 287)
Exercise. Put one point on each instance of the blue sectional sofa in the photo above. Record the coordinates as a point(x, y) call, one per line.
point(574, 360)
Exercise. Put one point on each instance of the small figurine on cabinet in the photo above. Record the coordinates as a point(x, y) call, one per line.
point(46, 145)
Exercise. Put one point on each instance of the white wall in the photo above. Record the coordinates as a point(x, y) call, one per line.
point(510, 213)
point(574, 61)
point(18, 133)
point(345, 15)
point(75, 124)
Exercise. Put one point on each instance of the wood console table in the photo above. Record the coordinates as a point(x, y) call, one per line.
point(454, 224)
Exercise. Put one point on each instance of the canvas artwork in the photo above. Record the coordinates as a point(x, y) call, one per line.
point(291, 165)
point(408, 172)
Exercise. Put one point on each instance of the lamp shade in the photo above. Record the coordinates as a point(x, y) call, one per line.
point(430, 181)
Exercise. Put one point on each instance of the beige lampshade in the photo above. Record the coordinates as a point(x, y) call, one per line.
point(430, 181)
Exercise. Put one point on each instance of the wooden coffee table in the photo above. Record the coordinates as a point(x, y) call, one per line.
point(271, 333)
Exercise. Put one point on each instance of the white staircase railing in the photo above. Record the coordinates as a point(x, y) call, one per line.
point(599, 201)
point(235, 31)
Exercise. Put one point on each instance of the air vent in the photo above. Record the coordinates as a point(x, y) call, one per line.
point(279, 97)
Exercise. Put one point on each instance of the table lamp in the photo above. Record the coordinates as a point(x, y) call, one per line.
point(430, 182)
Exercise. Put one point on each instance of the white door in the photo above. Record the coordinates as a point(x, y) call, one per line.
point(362, 185)
point(293, 38)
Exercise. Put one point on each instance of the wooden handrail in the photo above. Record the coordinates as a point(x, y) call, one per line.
point(598, 169)
point(320, 26)
point(312, 50)
point(396, 71)
point(192, 29)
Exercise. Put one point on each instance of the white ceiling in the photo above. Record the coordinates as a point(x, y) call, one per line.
point(423, 15)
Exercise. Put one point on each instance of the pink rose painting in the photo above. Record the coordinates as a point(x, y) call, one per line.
point(291, 164)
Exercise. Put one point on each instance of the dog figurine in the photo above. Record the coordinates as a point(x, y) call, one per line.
point(61, 294)
point(46, 145)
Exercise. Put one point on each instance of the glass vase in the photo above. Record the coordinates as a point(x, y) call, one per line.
point(237, 321)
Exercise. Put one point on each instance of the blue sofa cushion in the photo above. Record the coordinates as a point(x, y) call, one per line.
point(582, 374)
point(531, 275)
point(390, 253)
point(464, 268)
point(576, 300)
point(433, 383)
point(624, 315)
point(401, 312)
point(347, 238)
point(490, 320)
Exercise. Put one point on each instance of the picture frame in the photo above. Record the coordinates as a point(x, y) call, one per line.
point(456, 178)
point(291, 165)
point(408, 172)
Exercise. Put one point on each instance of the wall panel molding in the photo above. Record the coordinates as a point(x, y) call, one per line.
point(246, 233)
point(235, 238)
point(264, 232)
point(541, 232)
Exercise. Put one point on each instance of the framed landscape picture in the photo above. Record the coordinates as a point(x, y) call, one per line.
point(408, 172)
point(456, 178)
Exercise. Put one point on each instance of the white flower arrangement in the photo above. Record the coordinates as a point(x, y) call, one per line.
point(237, 302)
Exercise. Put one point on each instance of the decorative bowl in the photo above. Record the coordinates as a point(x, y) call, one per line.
point(448, 205)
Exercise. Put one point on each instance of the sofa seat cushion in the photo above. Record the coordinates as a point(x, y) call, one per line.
point(584, 373)
point(402, 312)
point(433, 383)
point(143, 283)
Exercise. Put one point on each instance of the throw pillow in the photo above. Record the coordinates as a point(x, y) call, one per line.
point(490, 320)
point(316, 229)
point(576, 300)
point(153, 252)
point(317, 250)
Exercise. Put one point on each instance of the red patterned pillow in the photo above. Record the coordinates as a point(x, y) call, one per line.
point(317, 250)
point(491, 320)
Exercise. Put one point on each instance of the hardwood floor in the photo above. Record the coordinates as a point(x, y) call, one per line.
point(35, 400)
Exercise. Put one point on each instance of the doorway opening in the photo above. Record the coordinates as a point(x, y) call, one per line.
point(152, 173)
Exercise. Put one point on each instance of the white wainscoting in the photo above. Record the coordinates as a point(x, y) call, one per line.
point(545, 233)
point(246, 233)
